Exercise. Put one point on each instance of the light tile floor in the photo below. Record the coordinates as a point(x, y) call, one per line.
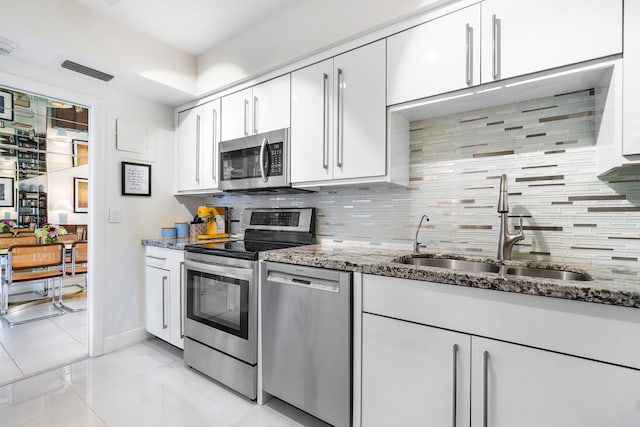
point(41, 345)
point(143, 385)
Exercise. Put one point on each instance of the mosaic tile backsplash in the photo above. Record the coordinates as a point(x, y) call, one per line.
point(547, 149)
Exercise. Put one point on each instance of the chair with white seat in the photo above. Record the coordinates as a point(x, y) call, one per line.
point(34, 264)
point(78, 268)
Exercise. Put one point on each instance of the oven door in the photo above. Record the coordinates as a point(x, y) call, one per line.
point(221, 307)
point(254, 162)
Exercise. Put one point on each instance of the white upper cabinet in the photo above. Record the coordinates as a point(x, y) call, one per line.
point(312, 122)
point(210, 132)
point(261, 108)
point(186, 153)
point(338, 118)
point(520, 37)
point(360, 112)
point(438, 56)
point(631, 80)
point(197, 148)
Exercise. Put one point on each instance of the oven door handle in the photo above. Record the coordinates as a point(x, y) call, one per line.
point(220, 270)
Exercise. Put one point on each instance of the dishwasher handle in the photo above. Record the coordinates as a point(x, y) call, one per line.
point(303, 281)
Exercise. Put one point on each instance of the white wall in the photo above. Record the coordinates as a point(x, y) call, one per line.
point(296, 33)
point(116, 254)
point(47, 32)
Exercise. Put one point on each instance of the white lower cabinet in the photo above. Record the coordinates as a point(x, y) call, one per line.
point(514, 385)
point(413, 374)
point(164, 302)
point(430, 357)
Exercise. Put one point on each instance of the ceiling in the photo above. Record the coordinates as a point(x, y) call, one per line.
point(192, 26)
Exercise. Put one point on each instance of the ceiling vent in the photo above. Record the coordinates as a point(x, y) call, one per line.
point(6, 46)
point(83, 69)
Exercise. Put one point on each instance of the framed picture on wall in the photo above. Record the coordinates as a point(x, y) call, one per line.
point(136, 179)
point(80, 195)
point(6, 192)
point(80, 152)
point(6, 106)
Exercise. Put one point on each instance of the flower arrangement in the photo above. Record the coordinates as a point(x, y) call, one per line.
point(6, 225)
point(50, 232)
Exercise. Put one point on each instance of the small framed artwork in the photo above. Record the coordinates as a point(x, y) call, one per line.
point(80, 195)
point(80, 152)
point(6, 192)
point(6, 106)
point(136, 179)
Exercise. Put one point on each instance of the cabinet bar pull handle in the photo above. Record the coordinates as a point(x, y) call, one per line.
point(164, 317)
point(198, 148)
point(246, 110)
point(156, 257)
point(485, 389)
point(182, 298)
point(469, 80)
point(325, 122)
point(455, 386)
point(496, 38)
point(214, 148)
point(255, 114)
point(339, 118)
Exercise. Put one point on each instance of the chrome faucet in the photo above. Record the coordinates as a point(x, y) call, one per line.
point(507, 240)
point(416, 244)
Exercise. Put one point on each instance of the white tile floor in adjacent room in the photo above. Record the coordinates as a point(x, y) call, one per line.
point(143, 385)
point(41, 345)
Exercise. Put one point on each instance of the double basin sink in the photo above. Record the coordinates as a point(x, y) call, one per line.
point(488, 267)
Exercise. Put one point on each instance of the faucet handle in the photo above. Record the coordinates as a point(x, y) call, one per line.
point(520, 223)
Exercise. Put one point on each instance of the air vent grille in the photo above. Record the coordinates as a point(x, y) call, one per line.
point(87, 71)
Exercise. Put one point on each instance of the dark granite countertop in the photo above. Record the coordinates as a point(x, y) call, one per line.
point(609, 286)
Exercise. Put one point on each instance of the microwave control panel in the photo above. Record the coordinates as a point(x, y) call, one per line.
point(275, 159)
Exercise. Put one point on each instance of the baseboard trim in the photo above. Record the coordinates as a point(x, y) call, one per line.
point(125, 339)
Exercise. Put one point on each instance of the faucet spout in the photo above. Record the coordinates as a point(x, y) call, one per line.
point(416, 244)
point(506, 240)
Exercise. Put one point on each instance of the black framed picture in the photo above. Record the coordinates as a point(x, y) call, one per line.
point(136, 179)
point(6, 106)
point(6, 192)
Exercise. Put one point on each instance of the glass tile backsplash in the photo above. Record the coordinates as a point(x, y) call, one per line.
point(547, 149)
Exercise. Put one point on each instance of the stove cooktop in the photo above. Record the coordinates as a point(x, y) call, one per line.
point(244, 249)
point(265, 229)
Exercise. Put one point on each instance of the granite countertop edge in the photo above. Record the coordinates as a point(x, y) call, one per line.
point(607, 287)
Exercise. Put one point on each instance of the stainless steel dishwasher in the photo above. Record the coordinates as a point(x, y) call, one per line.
point(307, 339)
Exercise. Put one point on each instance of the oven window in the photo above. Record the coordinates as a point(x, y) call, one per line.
point(218, 301)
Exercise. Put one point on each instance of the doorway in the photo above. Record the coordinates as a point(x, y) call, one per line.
point(44, 185)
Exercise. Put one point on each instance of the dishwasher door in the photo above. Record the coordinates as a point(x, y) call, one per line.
point(307, 339)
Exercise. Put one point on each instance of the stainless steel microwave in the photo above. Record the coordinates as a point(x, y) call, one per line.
point(255, 162)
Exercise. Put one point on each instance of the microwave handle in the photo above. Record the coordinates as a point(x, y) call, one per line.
point(263, 147)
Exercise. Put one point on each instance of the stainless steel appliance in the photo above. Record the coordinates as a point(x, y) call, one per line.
point(221, 294)
point(307, 339)
point(255, 162)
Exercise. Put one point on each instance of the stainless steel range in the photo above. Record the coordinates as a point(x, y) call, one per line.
point(221, 322)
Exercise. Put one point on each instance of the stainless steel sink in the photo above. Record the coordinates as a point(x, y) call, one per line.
point(547, 273)
point(485, 267)
point(454, 264)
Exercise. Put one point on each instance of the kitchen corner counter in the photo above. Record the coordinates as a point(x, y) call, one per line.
point(178, 243)
point(611, 287)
